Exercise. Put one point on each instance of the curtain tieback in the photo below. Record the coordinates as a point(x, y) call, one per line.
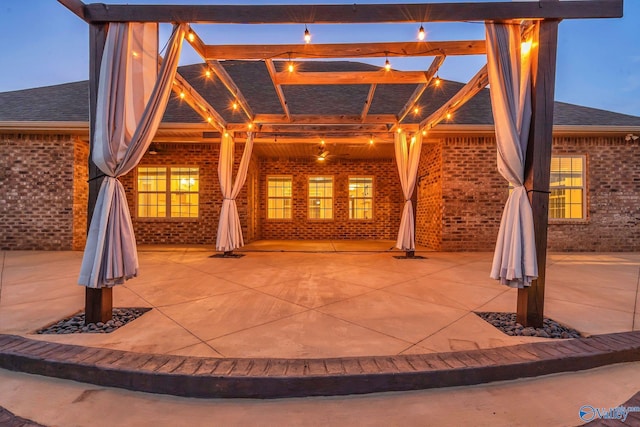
point(102, 175)
point(227, 198)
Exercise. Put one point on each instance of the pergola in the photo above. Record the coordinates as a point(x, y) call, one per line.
point(300, 127)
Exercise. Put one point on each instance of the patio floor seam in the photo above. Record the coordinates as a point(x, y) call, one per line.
point(281, 378)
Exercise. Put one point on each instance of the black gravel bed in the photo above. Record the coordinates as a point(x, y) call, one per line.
point(506, 322)
point(75, 324)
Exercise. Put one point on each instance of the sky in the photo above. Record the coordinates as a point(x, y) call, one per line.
point(598, 62)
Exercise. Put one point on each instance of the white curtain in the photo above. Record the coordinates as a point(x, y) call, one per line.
point(509, 68)
point(229, 229)
point(132, 97)
point(407, 159)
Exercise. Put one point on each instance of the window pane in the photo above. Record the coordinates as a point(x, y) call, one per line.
point(320, 197)
point(361, 198)
point(279, 190)
point(185, 183)
point(566, 200)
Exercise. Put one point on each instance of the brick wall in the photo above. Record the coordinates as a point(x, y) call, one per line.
point(613, 201)
point(473, 194)
point(36, 192)
point(80, 193)
point(388, 200)
point(201, 230)
point(429, 195)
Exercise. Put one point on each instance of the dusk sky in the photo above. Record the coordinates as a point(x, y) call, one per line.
point(42, 44)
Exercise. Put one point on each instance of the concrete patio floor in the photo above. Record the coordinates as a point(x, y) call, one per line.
point(314, 299)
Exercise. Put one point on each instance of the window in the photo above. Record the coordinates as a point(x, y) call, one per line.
point(279, 197)
point(361, 198)
point(320, 197)
point(566, 200)
point(166, 192)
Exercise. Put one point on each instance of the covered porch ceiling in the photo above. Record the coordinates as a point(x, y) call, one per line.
point(349, 133)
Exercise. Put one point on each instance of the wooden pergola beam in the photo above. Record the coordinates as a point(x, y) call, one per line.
point(322, 129)
point(283, 101)
point(350, 77)
point(231, 86)
point(77, 7)
point(367, 103)
point(352, 13)
point(345, 50)
point(323, 119)
point(417, 93)
point(200, 105)
point(468, 91)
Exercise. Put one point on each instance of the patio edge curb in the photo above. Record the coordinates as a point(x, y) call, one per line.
point(263, 378)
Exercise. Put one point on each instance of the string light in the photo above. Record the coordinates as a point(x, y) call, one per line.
point(399, 130)
point(322, 142)
point(307, 34)
point(387, 64)
point(250, 126)
point(182, 95)
point(235, 105)
point(448, 115)
point(207, 73)
point(421, 33)
point(371, 141)
point(424, 132)
point(191, 36)
point(416, 110)
point(290, 67)
point(437, 81)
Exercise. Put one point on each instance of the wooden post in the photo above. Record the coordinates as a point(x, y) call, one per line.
point(98, 305)
point(530, 309)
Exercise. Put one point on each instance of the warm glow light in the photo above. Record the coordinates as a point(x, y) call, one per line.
point(387, 64)
point(371, 141)
point(235, 105)
point(208, 74)
point(291, 67)
point(525, 47)
point(416, 110)
point(182, 95)
point(413, 139)
point(320, 158)
point(421, 33)
point(135, 54)
point(250, 125)
point(448, 116)
point(191, 36)
point(226, 134)
point(437, 81)
point(399, 130)
point(424, 133)
point(307, 35)
point(322, 142)
point(209, 119)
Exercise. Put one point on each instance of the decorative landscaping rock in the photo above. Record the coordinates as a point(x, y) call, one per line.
point(506, 322)
point(75, 324)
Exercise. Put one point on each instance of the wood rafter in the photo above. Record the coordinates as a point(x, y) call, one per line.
point(199, 104)
point(367, 103)
point(341, 119)
point(345, 50)
point(351, 13)
point(75, 6)
point(231, 86)
point(283, 101)
point(350, 77)
point(468, 91)
point(218, 70)
point(433, 69)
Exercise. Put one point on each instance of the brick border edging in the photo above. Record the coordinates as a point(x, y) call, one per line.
point(207, 377)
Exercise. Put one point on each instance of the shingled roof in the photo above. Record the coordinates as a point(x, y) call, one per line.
point(69, 101)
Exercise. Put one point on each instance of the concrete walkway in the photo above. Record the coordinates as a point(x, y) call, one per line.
point(314, 303)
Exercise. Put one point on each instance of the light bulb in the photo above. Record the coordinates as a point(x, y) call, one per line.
point(371, 141)
point(235, 105)
point(209, 119)
point(448, 116)
point(387, 64)
point(191, 36)
point(182, 95)
point(437, 81)
point(399, 130)
point(424, 133)
point(322, 142)
point(207, 74)
point(416, 110)
point(290, 67)
point(307, 35)
point(250, 125)
point(421, 33)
